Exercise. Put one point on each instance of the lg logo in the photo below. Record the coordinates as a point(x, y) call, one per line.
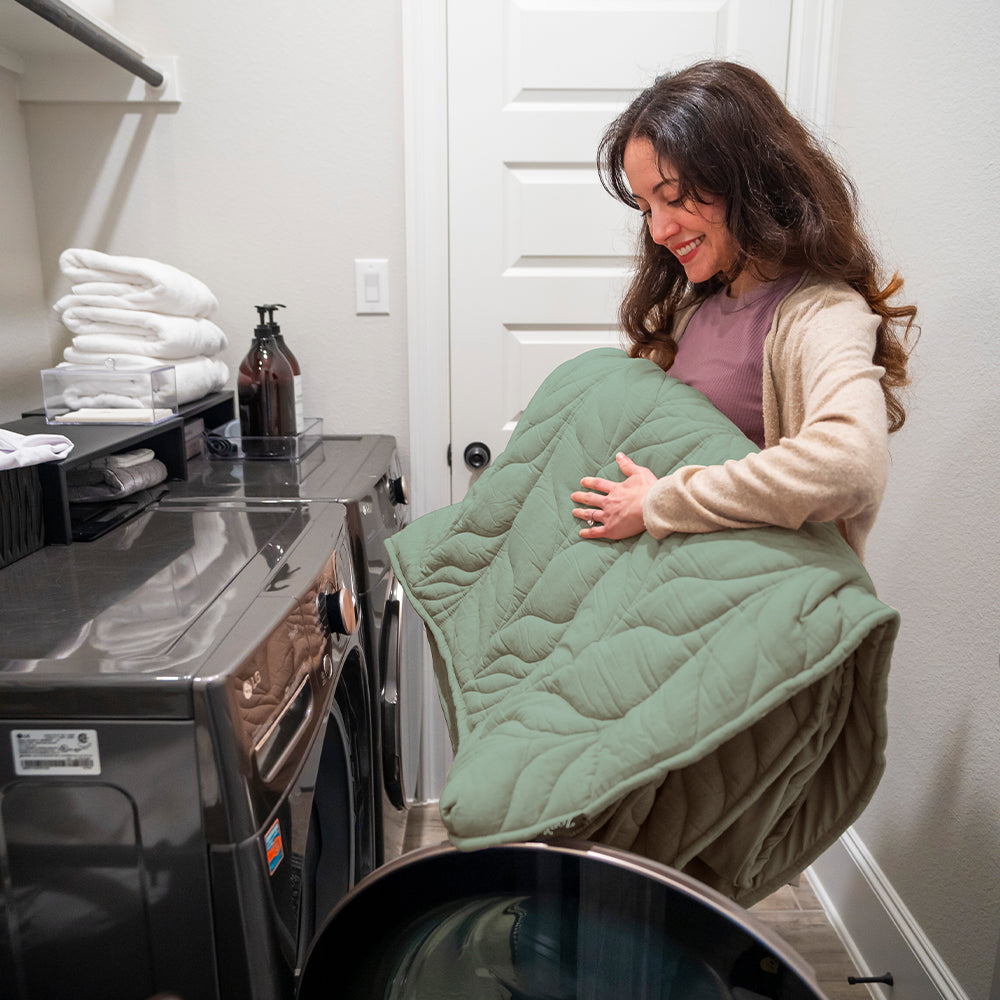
point(251, 684)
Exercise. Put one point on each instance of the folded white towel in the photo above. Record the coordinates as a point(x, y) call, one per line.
point(20, 450)
point(196, 377)
point(137, 283)
point(93, 387)
point(114, 415)
point(135, 331)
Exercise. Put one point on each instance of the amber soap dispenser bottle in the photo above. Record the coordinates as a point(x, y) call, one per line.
point(296, 368)
point(265, 389)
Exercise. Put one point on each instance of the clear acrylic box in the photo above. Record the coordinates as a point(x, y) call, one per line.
point(226, 442)
point(89, 394)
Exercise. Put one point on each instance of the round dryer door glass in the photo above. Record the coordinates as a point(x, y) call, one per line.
point(554, 921)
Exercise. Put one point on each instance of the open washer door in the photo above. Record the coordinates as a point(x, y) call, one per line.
point(562, 920)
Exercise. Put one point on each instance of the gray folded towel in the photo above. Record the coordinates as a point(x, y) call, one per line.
point(114, 483)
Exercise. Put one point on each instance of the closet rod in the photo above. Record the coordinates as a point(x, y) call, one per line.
point(66, 19)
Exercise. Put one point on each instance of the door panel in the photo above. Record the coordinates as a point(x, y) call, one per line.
point(600, 46)
point(539, 252)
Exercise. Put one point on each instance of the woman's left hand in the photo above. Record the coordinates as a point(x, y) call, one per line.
point(615, 510)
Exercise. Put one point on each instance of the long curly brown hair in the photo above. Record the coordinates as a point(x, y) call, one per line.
point(728, 135)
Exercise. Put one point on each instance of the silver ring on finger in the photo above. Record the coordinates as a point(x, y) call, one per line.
point(590, 519)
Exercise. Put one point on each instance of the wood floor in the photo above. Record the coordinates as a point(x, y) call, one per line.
point(796, 916)
point(793, 913)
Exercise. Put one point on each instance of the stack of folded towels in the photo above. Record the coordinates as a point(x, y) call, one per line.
point(131, 314)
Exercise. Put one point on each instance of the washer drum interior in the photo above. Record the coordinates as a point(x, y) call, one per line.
point(560, 920)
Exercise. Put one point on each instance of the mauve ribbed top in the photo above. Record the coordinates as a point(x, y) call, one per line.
point(721, 352)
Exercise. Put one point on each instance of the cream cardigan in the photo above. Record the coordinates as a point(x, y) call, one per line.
point(825, 429)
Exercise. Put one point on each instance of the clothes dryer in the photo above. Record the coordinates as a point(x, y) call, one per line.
point(563, 920)
point(364, 473)
point(186, 762)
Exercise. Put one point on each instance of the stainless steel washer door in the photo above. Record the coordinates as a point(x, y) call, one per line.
point(556, 921)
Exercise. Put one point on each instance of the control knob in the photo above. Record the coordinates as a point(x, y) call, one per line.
point(338, 612)
point(399, 490)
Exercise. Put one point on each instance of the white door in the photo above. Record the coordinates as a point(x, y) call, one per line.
point(539, 252)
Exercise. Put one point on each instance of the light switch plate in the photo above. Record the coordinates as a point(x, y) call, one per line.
point(371, 282)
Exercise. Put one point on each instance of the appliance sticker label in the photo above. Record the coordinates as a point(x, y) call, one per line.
point(272, 843)
point(51, 752)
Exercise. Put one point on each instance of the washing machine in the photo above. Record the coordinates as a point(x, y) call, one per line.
point(364, 473)
point(187, 780)
point(562, 920)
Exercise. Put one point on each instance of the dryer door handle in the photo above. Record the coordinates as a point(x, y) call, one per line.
point(273, 749)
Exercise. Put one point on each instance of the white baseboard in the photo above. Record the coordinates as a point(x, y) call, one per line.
point(879, 932)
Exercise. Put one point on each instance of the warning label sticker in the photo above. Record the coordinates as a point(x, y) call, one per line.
point(55, 751)
point(274, 848)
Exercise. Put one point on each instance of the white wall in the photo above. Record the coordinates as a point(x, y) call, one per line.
point(23, 321)
point(916, 118)
point(282, 164)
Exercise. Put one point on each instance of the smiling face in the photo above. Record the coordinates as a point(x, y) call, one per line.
point(694, 232)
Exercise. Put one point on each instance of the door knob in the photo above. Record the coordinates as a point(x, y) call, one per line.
point(477, 455)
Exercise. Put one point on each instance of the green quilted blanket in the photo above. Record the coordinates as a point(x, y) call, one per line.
point(714, 702)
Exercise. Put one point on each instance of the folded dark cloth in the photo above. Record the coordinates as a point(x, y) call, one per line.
point(94, 484)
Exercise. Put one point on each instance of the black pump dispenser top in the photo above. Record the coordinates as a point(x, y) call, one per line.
point(269, 326)
point(261, 330)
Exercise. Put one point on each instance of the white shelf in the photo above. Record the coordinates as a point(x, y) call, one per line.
point(25, 33)
point(62, 79)
point(55, 67)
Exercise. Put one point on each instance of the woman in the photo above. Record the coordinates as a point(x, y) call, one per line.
point(755, 285)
